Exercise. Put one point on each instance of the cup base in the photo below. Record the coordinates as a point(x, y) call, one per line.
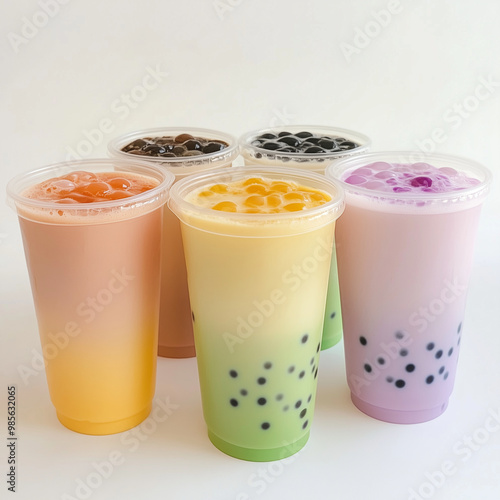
point(187, 351)
point(104, 428)
point(330, 341)
point(398, 416)
point(258, 455)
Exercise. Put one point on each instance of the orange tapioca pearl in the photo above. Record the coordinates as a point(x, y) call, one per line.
point(205, 194)
point(294, 196)
point(96, 189)
point(294, 207)
point(256, 189)
point(119, 183)
point(225, 206)
point(219, 188)
point(254, 180)
point(254, 201)
point(273, 200)
point(118, 195)
point(280, 187)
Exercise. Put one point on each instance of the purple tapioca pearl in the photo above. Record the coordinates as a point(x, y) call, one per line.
point(355, 179)
point(380, 165)
point(398, 189)
point(385, 174)
point(421, 181)
point(363, 171)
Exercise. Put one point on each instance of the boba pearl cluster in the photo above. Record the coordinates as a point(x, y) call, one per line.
point(257, 195)
point(439, 359)
point(302, 142)
point(173, 147)
point(408, 178)
point(268, 398)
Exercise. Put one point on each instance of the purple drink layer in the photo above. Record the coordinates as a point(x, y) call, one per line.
point(409, 178)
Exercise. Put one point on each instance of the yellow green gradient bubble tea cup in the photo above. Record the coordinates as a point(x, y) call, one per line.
point(258, 245)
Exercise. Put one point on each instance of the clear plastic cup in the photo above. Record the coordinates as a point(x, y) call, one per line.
point(332, 329)
point(404, 262)
point(175, 338)
point(94, 271)
point(257, 286)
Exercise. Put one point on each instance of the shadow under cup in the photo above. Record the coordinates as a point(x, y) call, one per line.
point(404, 262)
point(94, 271)
point(257, 284)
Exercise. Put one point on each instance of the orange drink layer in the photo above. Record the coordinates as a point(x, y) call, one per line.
point(92, 238)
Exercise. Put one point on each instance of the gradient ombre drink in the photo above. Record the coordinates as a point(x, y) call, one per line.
point(404, 249)
point(92, 239)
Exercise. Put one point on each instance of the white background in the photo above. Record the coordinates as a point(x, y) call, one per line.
point(235, 65)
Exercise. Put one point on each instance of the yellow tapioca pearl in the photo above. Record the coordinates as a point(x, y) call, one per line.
point(273, 200)
point(256, 189)
point(205, 194)
point(219, 188)
point(225, 206)
point(294, 207)
point(254, 180)
point(254, 201)
point(319, 197)
point(294, 196)
point(253, 211)
point(280, 187)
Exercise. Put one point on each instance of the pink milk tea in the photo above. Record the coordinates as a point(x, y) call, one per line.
point(404, 249)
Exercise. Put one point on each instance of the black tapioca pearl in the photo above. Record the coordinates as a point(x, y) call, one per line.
point(314, 150)
point(399, 335)
point(313, 368)
point(233, 373)
point(298, 404)
point(316, 373)
point(381, 361)
point(291, 369)
point(284, 133)
point(267, 135)
point(271, 146)
point(311, 141)
point(312, 361)
point(243, 392)
point(258, 155)
point(429, 379)
point(233, 402)
point(301, 374)
point(261, 380)
point(154, 149)
point(179, 150)
point(268, 365)
point(390, 380)
point(303, 412)
point(290, 140)
point(265, 425)
point(318, 347)
point(304, 338)
point(459, 329)
point(261, 401)
point(450, 352)
point(445, 376)
point(367, 367)
point(438, 354)
point(458, 342)
point(304, 134)
point(168, 155)
point(430, 346)
point(333, 315)
point(441, 370)
point(309, 398)
point(400, 383)
point(410, 367)
point(286, 408)
point(183, 138)
point(348, 145)
point(304, 425)
point(279, 397)
point(213, 147)
point(403, 352)
point(362, 340)
point(327, 143)
point(287, 149)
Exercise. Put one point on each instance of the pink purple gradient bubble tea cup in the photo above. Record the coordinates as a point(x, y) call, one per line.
point(404, 250)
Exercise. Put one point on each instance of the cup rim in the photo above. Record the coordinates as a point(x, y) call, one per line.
point(463, 164)
point(229, 153)
point(178, 204)
point(38, 175)
point(245, 144)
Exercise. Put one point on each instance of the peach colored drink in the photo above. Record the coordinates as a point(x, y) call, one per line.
point(92, 241)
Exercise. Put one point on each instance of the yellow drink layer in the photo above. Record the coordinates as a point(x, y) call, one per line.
point(258, 195)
